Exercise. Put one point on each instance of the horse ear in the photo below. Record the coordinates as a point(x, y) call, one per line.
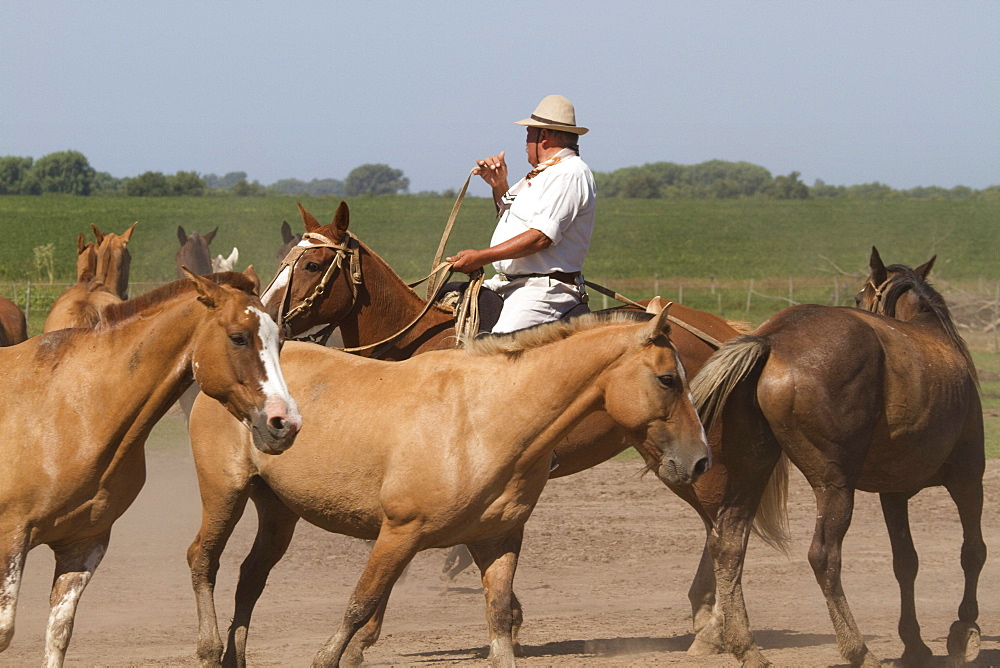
point(181, 235)
point(879, 274)
point(97, 234)
point(81, 245)
point(655, 305)
point(208, 291)
point(126, 236)
point(286, 232)
point(234, 257)
point(211, 235)
point(310, 222)
point(251, 273)
point(342, 218)
point(659, 326)
point(925, 268)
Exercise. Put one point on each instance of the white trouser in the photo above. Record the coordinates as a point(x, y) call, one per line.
point(532, 301)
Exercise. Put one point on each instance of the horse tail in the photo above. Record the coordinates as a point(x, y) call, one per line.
point(736, 361)
point(724, 370)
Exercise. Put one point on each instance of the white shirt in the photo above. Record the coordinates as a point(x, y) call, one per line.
point(559, 202)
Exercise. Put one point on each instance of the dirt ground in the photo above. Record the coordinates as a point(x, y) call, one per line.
point(603, 578)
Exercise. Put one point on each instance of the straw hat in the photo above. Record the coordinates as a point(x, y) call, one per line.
point(554, 113)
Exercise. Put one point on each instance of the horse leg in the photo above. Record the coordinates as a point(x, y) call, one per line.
point(457, 560)
point(75, 566)
point(904, 564)
point(967, 493)
point(704, 612)
point(275, 528)
point(221, 510)
point(366, 636)
point(497, 561)
point(834, 508)
point(12, 561)
point(389, 557)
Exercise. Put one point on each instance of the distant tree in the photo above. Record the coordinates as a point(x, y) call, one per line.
point(229, 181)
point(243, 189)
point(874, 190)
point(148, 184)
point(821, 189)
point(375, 180)
point(64, 172)
point(314, 187)
point(105, 184)
point(211, 181)
point(14, 176)
point(789, 187)
point(186, 183)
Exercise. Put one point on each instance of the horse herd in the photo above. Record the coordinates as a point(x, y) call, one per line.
point(882, 398)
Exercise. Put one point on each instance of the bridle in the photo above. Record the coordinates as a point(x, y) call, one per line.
point(349, 250)
point(879, 293)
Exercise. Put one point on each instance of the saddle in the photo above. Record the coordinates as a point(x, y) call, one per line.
point(489, 303)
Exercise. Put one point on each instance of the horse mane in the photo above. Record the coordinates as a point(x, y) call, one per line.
point(905, 279)
point(390, 272)
point(114, 314)
point(517, 342)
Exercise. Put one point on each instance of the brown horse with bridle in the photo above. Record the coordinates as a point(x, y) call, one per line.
point(332, 279)
point(406, 453)
point(883, 398)
point(102, 274)
point(80, 403)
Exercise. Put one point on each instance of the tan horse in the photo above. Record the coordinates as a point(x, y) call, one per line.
point(102, 274)
point(73, 456)
point(334, 280)
point(13, 326)
point(410, 454)
point(883, 402)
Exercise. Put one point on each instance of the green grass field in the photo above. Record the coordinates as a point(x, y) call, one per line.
point(704, 253)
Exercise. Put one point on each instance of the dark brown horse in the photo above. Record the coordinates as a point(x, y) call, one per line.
point(194, 252)
point(883, 399)
point(73, 459)
point(13, 326)
point(334, 280)
point(288, 240)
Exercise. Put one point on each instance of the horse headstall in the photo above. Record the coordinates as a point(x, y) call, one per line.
point(349, 249)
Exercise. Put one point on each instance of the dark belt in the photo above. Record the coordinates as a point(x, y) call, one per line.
point(564, 276)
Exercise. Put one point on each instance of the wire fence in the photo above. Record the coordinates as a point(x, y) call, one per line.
point(975, 305)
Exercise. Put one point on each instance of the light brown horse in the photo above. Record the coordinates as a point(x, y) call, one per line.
point(883, 401)
point(332, 279)
point(114, 260)
point(13, 325)
point(408, 453)
point(194, 252)
point(73, 458)
point(102, 274)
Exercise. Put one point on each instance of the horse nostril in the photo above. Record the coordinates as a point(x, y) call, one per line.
point(277, 424)
point(701, 466)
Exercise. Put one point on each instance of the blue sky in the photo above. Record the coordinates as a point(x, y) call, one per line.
point(906, 93)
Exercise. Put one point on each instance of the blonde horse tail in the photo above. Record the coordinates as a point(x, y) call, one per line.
point(770, 523)
point(733, 363)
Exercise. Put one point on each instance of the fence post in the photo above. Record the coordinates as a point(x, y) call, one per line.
point(27, 301)
point(836, 292)
point(791, 291)
point(680, 293)
point(749, 292)
point(656, 285)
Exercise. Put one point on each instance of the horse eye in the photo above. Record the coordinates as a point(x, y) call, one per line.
point(312, 266)
point(667, 380)
point(238, 339)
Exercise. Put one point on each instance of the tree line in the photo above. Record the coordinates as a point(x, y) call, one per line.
point(69, 172)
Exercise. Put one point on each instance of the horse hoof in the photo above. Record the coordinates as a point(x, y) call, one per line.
point(963, 641)
point(916, 656)
point(701, 647)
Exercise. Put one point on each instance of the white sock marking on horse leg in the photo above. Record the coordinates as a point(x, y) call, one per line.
point(60, 627)
point(8, 599)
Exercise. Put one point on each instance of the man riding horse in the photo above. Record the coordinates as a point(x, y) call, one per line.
point(544, 222)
